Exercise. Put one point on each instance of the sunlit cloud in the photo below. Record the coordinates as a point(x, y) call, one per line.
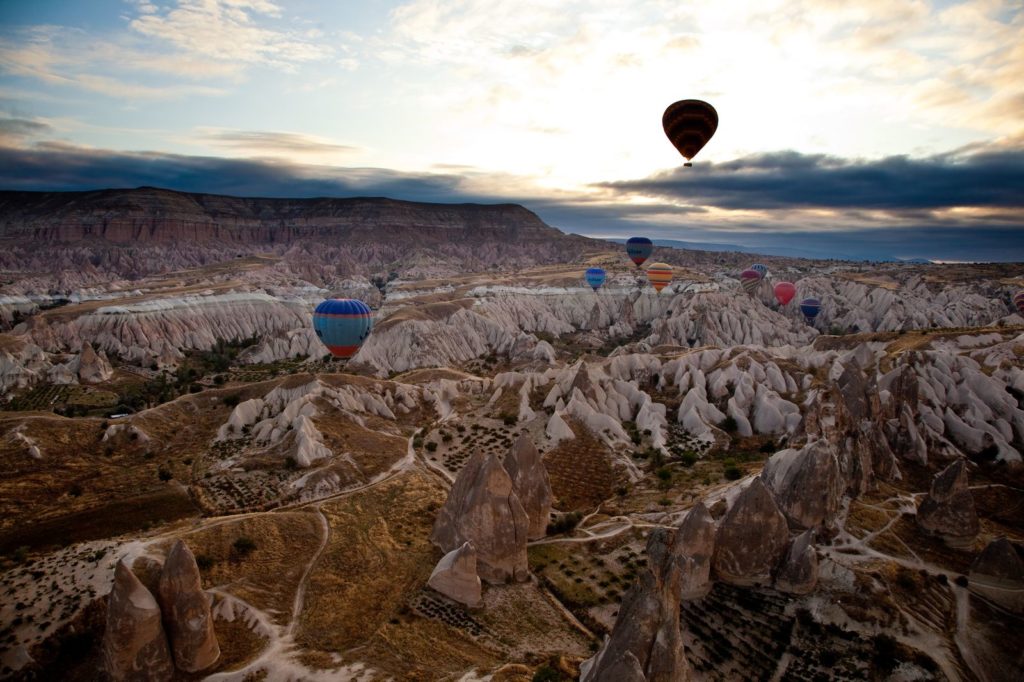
point(256, 143)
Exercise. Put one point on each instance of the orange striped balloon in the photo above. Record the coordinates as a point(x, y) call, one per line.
point(659, 274)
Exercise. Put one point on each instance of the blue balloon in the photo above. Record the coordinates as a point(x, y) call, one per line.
point(639, 249)
point(595, 277)
point(761, 268)
point(810, 308)
point(342, 324)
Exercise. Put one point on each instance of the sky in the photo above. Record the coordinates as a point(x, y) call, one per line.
point(881, 128)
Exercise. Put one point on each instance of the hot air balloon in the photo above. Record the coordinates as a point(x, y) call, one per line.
point(1018, 300)
point(342, 325)
point(763, 269)
point(810, 307)
point(784, 292)
point(595, 277)
point(639, 249)
point(749, 279)
point(660, 274)
point(689, 124)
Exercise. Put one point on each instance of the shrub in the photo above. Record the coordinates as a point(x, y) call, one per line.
point(688, 459)
point(509, 419)
point(244, 545)
point(75, 490)
point(164, 474)
point(768, 447)
point(290, 463)
point(203, 562)
point(733, 473)
point(232, 400)
point(564, 523)
point(664, 474)
point(431, 446)
point(728, 425)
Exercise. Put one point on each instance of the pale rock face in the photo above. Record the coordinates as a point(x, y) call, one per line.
point(455, 576)
point(530, 483)
point(646, 643)
point(134, 643)
point(751, 539)
point(186, 322)
point(948, 510)
point(186, 611)
point(482, 508)
point(93, 368)
point(805, 483)
point(696, 540)
point(799, 571)
point(557, 430)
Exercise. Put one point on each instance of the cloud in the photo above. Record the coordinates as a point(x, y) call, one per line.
point(64, 167)
point(193, 40)
point(229, 31)
point(790, 180)
point(17, 129)
point(257, 142)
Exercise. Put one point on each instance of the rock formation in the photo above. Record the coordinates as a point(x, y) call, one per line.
point(948, 510)
point(93, 368)
point(482, 508)
point(805, 484)
point(186, 611)
point(530, 483)
point(646, 644)
point(998, 574)
point(455, 576)
point(134, 644)
point(696, 541)
point(751, 539)
point(798, 573)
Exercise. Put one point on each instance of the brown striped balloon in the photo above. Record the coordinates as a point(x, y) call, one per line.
point(659, 274)
point(689, 124)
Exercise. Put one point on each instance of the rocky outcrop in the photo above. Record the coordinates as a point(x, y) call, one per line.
point(805, 483)
point(646, 644)
point(455, 576)
point(93, 368)
point(798, 573)
point(998, 574)
point(134, 643)
point(186, 611)
point(751, 539)
point(530, 483)
point(482, 508)
point(696, 541)
point(948, 509)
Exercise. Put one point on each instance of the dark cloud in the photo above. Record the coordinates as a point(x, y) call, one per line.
point(19, 128)
point(64, 167)
point(790, 180)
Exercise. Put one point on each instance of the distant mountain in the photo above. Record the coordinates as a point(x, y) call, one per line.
point(785, 251)
point(132, 233)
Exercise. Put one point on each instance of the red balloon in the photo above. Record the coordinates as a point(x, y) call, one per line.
point(784, 292)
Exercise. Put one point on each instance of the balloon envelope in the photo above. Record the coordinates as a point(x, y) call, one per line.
point(1018, 300)
point(342, 325)
point(784, 292)
point(595, 277)
point(639, 249)
point(660, 274)
point(689, 124)
point(762, 269)
point(810, 307)
point(749, 279)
